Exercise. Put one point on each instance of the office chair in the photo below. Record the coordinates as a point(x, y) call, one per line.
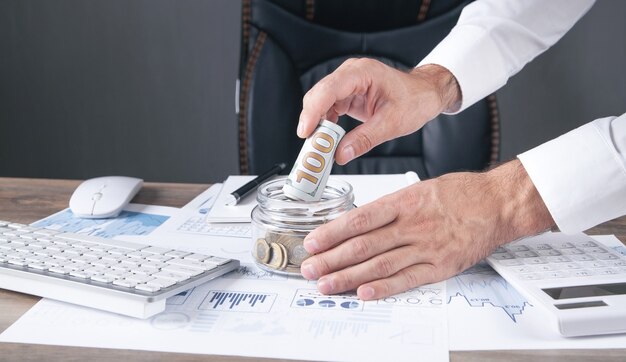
point(289, 45)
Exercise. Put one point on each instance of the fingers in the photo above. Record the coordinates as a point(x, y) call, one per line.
point(407, 278)
point(355, 222)
point(351, 252)
point(386, 274)
point(335, 87)
point(362, 139)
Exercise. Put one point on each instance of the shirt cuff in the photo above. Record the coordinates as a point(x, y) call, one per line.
point(580, 177)
point(477, 76)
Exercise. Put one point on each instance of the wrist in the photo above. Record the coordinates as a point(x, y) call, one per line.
point(444, 84)
point(522, 210)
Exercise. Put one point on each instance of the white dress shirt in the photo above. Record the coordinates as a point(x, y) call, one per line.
point(581, 175)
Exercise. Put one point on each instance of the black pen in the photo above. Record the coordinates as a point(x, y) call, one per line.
point(241, 192)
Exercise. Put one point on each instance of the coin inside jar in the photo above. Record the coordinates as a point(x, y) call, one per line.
point(262, 250)
point(280, 224)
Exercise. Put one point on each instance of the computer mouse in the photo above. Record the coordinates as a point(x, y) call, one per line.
point(104, 197)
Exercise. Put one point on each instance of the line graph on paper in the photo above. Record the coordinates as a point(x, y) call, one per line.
point(482, 287)
point(231, 301)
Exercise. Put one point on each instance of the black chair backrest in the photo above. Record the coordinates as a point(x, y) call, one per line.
point(289, 45)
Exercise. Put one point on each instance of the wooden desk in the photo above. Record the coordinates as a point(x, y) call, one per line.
point(27, 200)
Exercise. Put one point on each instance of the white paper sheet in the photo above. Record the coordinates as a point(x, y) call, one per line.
point(487, 313)
point(265, 315)
point(192, 218)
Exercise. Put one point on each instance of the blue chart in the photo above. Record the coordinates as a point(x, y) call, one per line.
point(482, 286)
point(238, 301)
point(180, 298)
point(311, 298)
point(127, 223)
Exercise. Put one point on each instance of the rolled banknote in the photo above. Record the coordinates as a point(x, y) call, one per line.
point(309, 174)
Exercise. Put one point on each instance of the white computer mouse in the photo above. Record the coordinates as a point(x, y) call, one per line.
point(104, 197)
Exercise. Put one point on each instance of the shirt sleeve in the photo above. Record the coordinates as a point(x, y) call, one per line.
point(494, 39)
point(581, 175)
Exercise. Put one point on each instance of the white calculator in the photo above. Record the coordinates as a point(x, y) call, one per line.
point(581, 282)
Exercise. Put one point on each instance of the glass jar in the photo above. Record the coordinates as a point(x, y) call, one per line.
point(279, 224)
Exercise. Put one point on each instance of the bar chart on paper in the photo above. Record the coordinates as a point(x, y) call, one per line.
point(222, 300)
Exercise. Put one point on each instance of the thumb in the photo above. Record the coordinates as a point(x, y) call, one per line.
point(360, 140)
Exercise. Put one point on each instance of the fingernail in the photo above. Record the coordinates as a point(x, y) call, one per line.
point(311, 246)
point(366, 293)
point(325, 285)
point(308, 271)
point(348, 153)
point(300, 129)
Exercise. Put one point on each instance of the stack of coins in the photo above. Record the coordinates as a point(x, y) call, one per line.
point(280, 251)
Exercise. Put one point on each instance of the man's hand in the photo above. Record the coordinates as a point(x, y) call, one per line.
point(424, 233)
point(389, 102)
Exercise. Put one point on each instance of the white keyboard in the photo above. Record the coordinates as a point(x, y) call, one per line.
point(117, 276)
point(580, 282)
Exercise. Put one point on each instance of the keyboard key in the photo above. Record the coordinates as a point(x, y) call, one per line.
point(541, 247)
point(159, 257)
point(156, 250)
point(217, 260)
point(197, 257)
point(555, 274)
point(585, 244)
point(188, 263)
point(571, 266)
point(161, 283)
point(138, 278)
point(171, 276)
point(124, 283)
point(531, 276)
point(607, 271)
point(596, 250)
point(103, 278)
point(147, 288)
point(522, 269)
point(191, 272)
point(177, 254)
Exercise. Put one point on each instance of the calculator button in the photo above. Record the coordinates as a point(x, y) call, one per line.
point(585, 244)
point(558, 259)
point(531, 276)
point(593, 264)
point(617, 263)
point(549, 252)
point(515, 248)
point(526, 254)
point(502, 256)
point(523, 269)
point(555, 274)
point(582, 257)
point(583, 273)
point(571, 251)
point(606, 256)
point(562, 245)
point(548, 267)
point(514, 262)
point(596, 250)
point(607, 271)
point(534, 261)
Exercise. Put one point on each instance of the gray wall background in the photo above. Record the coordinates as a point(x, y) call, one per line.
point(146, 87)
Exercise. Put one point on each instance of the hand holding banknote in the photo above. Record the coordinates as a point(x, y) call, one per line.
point(426, 232)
